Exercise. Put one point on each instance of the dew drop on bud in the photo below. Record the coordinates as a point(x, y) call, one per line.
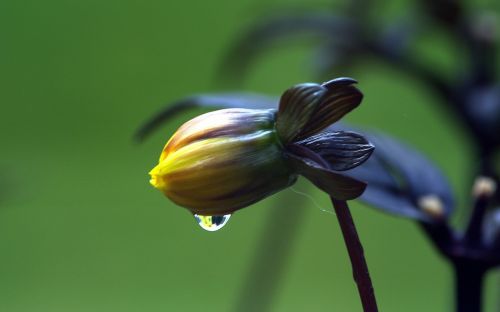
point(212, 223)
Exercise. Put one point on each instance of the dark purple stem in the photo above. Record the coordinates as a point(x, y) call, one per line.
point(474, 229)
point(356, 254)
point(351, 239)
point(469, 279)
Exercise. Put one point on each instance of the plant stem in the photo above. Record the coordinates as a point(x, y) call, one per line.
point(473, 233)
point(469, 287)
point(356, 254)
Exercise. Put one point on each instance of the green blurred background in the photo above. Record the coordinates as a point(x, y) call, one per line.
point(82, 230)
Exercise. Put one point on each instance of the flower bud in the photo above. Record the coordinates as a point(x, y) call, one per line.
point(222, 161)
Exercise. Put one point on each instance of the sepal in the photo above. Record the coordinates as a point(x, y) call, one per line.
point(315, 169)
point(343, 150)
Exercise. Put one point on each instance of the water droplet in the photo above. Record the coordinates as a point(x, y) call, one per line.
point(212, 223)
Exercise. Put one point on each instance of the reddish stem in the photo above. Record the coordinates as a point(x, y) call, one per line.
point(356, 254)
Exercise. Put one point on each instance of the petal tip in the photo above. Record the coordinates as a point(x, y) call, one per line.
point(339, 82)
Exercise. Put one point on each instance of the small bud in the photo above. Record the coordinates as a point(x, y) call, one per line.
point(222, 161)
point(432, 206)
point(484, 187)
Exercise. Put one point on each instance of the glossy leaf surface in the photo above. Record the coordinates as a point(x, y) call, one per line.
point(399, 177)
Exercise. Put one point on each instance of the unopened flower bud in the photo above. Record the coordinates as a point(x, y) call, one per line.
point(222, 161)
point(228, 159)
